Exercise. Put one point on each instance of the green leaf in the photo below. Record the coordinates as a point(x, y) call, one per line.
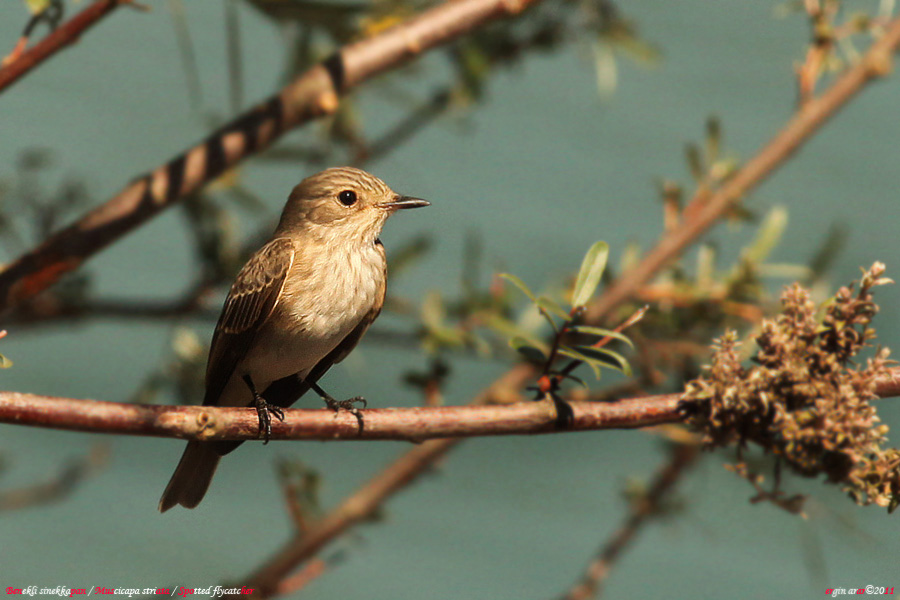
point(527, 349)
point(600, 332)
point(519, 284)
point(552, 307)
point(481, 345)
point(713, 138)
point(505, 328)
point(572, 353)
point(770, 232)
point(590, 273)
point(706, 267)
point(830, 248)
point(5, 363)
point(37, 6)
point(577, 380)
point(433, 312)
point(695, 163)
point(608, 357)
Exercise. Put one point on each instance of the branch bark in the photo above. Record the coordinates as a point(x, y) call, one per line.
point(313, 94)
point(481, 418)
point(209, 423)
point(64, 35)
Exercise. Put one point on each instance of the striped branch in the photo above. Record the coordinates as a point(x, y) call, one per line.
point(313, 94)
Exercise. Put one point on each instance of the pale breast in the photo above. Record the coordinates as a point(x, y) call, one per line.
point(324, 299)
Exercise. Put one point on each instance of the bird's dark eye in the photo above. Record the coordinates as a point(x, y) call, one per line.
point(347, 197)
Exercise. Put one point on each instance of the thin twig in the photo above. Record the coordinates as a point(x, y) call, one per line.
point(313, 94)
point(806, 121)
point(67, 33)
point(57, 488)
point(299, 580)
point(683, 456)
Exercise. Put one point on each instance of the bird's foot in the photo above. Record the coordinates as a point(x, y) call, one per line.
point(338, 405)
point(348, 405)
point(265, 411)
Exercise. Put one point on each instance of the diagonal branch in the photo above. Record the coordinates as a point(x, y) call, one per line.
point(64, 35)
point(650, 505)
point(313, 94)
point(57, 488)
point(876, 63)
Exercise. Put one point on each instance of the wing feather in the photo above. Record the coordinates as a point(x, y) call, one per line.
point(252, 298)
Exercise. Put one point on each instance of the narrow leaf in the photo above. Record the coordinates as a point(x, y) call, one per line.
point(599, 331)
point(552, 307)
point(577, 380)
point(769, 235)
point(507, 328)
point(572, 353)
point(433, 312)
point(519, 284)
point(706, 266)
point(37, 6)
point(5, 363)
point(589, 275)
point(695, 163)
point(608, 357)
point(526, 349)
point(713, 138)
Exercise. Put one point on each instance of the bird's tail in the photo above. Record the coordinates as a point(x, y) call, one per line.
point(192, 476)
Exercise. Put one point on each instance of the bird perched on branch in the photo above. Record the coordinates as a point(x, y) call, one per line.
point(300, 304)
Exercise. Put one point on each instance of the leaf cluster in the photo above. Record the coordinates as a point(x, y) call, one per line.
point(566, 325)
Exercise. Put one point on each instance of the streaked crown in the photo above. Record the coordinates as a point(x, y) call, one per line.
point(342, 202)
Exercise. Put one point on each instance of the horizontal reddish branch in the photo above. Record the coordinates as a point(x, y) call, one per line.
point(313, 94)
point(67, 33)
point(413, 424)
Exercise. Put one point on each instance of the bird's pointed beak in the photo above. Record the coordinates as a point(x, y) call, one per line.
point(404, 202)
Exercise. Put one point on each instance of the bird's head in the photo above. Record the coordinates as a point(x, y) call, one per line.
point(344, 202)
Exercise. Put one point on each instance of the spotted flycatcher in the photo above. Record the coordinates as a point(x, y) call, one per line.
point(298, 306)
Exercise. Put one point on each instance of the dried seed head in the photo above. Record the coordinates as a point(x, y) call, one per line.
point(805, 401)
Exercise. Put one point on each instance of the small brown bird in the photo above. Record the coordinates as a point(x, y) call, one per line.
point(300, 304)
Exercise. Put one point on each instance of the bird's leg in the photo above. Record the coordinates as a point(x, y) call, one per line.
point(263, 409)
point(337, 405)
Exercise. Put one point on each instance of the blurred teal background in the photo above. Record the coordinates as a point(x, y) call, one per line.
point(540, 170)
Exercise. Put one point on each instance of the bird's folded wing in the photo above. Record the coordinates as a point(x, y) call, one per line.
point(253, 296)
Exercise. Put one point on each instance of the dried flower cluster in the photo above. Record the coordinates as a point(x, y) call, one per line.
point(806, 401)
